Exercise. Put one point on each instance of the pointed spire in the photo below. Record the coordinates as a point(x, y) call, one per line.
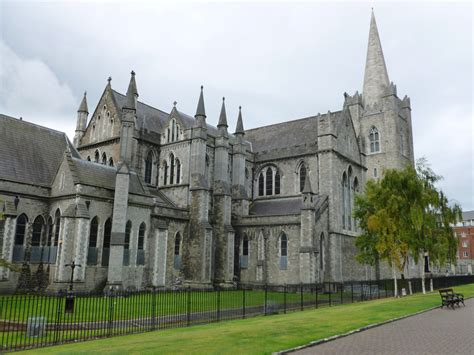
point(239, 129)
point(200, 111)
point(132, 93)
point(307, 186)
point(83, 105)
point(375, 77)
point(223, 116)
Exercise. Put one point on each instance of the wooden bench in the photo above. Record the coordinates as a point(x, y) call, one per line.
point(449, 298)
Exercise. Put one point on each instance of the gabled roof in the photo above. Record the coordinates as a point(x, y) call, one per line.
point(94, 174)
point(153, 119)
point(276, 207)
point(283, 135)
point(30, 153)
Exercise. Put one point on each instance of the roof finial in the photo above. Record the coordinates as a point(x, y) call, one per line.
point(109, 79)
point(201, 111)
point(239, 129)
point(83, 106)
point(175, 103)
point(307, 185)
point(223, 116)
point(132, 93)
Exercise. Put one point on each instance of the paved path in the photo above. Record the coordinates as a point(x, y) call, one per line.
point(441, 331)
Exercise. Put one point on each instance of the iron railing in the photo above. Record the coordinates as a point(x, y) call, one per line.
point(36, 320)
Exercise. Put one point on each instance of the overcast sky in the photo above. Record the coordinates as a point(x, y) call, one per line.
point(280, 61)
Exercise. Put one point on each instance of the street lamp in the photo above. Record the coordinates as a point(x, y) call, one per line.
point(70, 295)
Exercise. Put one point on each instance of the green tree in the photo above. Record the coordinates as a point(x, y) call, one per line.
point(404, 215)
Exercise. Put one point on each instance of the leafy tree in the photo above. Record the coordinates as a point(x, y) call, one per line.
point(404, 215)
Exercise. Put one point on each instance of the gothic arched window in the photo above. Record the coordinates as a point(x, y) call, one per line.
point(57, 227)
point(165, 173)
point(261, 185)
point(283, 251)
point(269, 182)
point(349, 201)
point(178, 171)
point(277, 182)
point(49, 254)
point(302, 175)
point(106, 243)
point(126, 244)
point(172, 162)
point(244, 259)
point(149, 167)
point(92, 253)
point(177, 252)
point(104, 158)
point(343, 199)
point(374, 139)
point(355, 189)
point(35, 251)
point(20, 231)
point(96, 156)
point(111, 162)
point(141, 244)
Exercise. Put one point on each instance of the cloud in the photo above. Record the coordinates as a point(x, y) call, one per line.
point(31, 90)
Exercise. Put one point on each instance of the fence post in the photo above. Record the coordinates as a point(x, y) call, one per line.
point(370, 290)
point(154, 309)
point(188, 307)
point(352, 292)
point(342, 292)
point(266, 291)
point(316, 294)
point(284, 299)
point(330, 303)
point(243, 302)
point(218, 303)
point(361, 291)
point(58, 319)
point(301, 296)
point(111, 310)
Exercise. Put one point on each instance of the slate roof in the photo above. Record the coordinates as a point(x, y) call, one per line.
point(153, 119)
point(467, 215)
point(276, 207)
point(30, 153)
point(93, 174)
point(283, 135)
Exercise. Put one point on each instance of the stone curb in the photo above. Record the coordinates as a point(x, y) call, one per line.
point(358, 330)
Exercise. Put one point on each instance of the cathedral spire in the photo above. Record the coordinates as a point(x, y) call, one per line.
point(83, 106)
point(307, 186)
point(200, 110)
point(239, 129)
point(375, 77)
point(132, 93)
point(223, 116)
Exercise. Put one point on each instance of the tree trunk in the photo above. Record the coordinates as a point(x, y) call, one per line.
point(431, 284)
point(395, 286)
point(423, 288)
point(409, 287)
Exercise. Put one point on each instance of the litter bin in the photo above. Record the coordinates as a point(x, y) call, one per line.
point(404, 291)
point(36, 327)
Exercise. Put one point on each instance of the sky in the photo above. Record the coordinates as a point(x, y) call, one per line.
point(279, 60)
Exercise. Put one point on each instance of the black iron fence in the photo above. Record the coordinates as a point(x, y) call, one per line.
point(36, 320)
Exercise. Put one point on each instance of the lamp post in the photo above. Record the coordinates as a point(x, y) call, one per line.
point(73, 265)
point(70, 295)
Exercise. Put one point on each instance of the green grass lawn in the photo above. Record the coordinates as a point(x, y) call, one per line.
point(260, 334)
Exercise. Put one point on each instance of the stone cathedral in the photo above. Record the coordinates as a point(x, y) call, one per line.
point(148, 198)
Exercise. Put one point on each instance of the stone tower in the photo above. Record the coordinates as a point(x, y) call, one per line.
point(223, 231)
point(81, 125)
point(240, 202)
point(197, 261)
point(382, 121)
point(122, 185)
